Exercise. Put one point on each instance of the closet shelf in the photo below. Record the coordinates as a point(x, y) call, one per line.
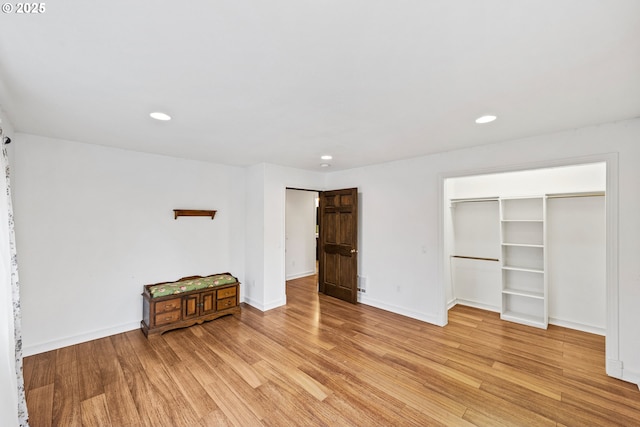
point(528, 294)
point(523, 220)
point(523, 245)
point(527, 270)
point(474, 199)
point(578, 194)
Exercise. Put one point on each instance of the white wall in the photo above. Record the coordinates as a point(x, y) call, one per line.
point(8, 381)
point(565, 179)
point(277, 179)
point(476, 283)
point(300, 233)
point(576, 252)
point(266, 199)
point(94, 224)
point(254, 242)
point(475, 232)
point(476, 229)
point(400, 252)
point(398, 237)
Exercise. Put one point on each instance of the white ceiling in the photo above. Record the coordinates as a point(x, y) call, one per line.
point(285, 81)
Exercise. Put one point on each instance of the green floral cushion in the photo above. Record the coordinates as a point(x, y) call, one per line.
point(171, 288)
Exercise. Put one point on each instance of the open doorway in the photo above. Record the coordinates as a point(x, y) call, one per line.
point(301, 233)
point(610, 230)
point(321, 237)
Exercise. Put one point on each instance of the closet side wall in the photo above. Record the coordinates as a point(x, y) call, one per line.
point(475, 270)
point(576, 242)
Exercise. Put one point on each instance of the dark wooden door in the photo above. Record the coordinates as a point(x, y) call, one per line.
point(338, 250)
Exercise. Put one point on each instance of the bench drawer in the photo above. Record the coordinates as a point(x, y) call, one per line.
point(227, 292)
point(168, 305)
point(226, 303)
point(164, 318)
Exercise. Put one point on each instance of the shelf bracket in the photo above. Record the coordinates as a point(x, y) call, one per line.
point(193, 212)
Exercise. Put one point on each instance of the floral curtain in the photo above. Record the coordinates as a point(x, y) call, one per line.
point(15, 291)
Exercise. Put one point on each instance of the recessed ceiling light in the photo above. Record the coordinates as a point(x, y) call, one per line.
point(324, 165)
point(160, 116)
point(326, 157)
point(485, 119)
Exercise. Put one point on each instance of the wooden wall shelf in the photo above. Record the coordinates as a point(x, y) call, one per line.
point(192, 212)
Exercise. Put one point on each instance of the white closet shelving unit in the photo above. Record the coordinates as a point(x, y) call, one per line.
point(524, 260)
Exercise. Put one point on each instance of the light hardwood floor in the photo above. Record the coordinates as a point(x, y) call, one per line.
point(319, 361)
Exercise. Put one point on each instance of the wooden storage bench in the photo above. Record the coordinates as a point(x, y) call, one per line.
point(188, 301)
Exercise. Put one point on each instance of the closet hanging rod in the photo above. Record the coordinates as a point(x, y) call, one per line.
point(475, 257)
point(568, 195)
point(476, 199)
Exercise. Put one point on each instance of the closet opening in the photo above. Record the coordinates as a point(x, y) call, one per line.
point(537, 245)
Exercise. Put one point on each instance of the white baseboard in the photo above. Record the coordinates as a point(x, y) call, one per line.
point(299, 275)
point(30, 350)
point(253, 303)
point(434, 320)
point(615, 369)
point(265, 307)
point(630, 376)
point(553, 321)
point(578, 326)
point(474, 304)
